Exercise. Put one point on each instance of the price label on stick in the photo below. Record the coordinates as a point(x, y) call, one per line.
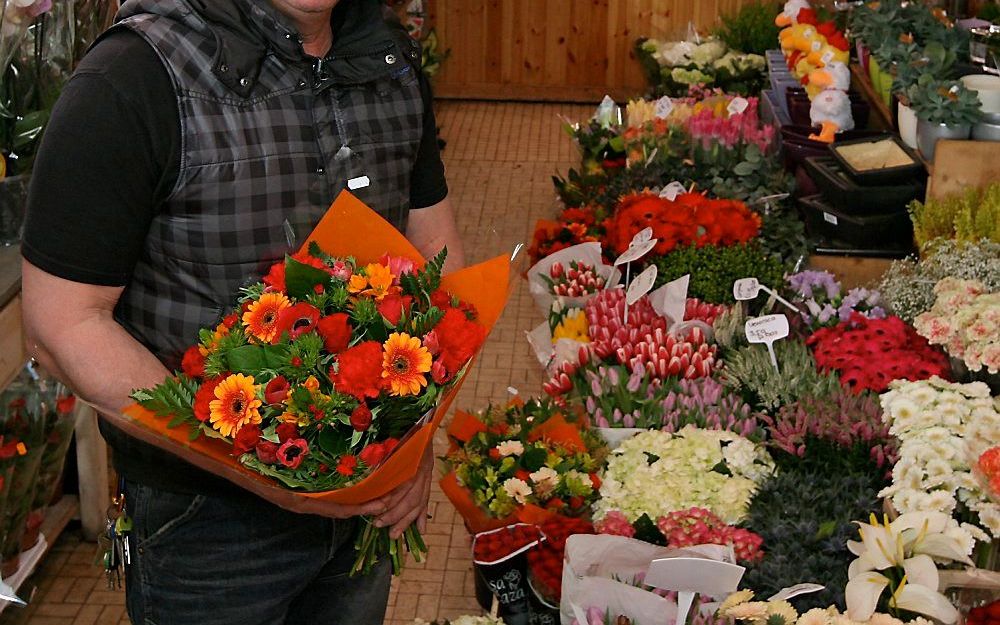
point(663, 107)
point(642, 284)
point(746, 289)
point(794, 591)
point(689, 576)
point(672, 190)
point(767, 330)
point(737, 106)
point(635, 252)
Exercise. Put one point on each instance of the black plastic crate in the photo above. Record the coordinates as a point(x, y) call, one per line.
point(841, 192)
point(881, 231)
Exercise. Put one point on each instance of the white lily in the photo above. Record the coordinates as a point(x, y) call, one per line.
point(909, 545)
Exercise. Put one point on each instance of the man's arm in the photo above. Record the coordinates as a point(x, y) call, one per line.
point(434, 227)
point(70, 329)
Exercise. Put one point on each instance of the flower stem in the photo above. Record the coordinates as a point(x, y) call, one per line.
point(374, 542)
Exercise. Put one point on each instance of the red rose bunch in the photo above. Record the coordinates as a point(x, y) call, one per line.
point(689, 219)
point(545, 562)
point(699, 526)
point(870, 353)
point(495, 545)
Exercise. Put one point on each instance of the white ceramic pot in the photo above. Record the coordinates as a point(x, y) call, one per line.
point(908, 126)
point(987, 86)
point(929, 133)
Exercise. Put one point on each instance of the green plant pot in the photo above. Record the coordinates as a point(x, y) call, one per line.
point(874, 73)
point(884, 87)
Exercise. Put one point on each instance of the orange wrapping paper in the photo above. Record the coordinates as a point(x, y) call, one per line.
point(349, 228)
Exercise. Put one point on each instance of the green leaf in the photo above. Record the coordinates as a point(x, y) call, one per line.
point(617, 143)
point(647, 531)
point(246, 359)
point(826, 530)
point(534, 459)
point(744, 169)
point(722, 468)
point(301, 279)
point(332, 442)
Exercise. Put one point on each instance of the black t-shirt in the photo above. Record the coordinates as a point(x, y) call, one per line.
point(111, 155)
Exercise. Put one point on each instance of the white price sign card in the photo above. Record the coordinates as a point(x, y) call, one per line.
point(767, 330)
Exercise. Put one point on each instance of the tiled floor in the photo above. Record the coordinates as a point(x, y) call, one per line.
point(500, 158)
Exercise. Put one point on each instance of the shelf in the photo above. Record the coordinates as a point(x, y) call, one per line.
point(57, 517)
point(883, 116)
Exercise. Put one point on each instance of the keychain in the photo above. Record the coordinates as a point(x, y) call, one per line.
point(114, 551)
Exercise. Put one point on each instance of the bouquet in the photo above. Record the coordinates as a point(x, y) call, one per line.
point(820, 293)
point(523, 462)
point(323, 368)
point(870, 353)
point(943, 429)
point(966, 320)
point(655, 473)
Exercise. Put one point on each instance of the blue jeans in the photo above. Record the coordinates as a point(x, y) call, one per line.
point(212, 561)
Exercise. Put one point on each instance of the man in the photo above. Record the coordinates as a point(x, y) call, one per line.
point(198, 142)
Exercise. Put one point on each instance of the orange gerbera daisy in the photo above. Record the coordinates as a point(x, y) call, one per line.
point(262, 316)
point(235, 405)
point(404, 363)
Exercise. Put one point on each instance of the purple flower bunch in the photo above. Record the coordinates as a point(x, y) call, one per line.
point(706, 404)
point(819, 292)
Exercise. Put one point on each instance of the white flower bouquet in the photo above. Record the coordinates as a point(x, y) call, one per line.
point(655, 473)
point(943, 428)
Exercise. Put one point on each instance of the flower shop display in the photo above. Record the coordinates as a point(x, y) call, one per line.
point(749, 370)
point(673, 68)
point(342, 350)
point(965, 319)
point(656, 473)
point(943, 429)
point(22, 445)
point(968, 217)
point(819, 293)
point(714, 268)
point(907, 287)
point(523, 462)
point(945, 110)
point(499, 561)
point(868, 354)
point(569, 277)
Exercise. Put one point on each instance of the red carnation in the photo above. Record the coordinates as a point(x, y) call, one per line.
point(292, 452)
point(296, 320)
point(246, 439)
point(204, 396)
point(361, 418)
point(441, 299)
point(458, 338)
point(522, 475)
point(347, 465)
point(336, 332)
point(193, 363)
point(275, 277)
point(372, 454)
point(276, 390)
point(359, 371)
point(230, 320)
point(439, 373)
point(393, 306)
point(287, 431)
point(267, 451)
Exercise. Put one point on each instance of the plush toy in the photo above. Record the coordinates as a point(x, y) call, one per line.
point(821, 58)
point(831, 109)
point(795, 12)
point(803, 41)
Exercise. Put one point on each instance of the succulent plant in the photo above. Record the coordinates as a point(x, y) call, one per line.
point(944, 102)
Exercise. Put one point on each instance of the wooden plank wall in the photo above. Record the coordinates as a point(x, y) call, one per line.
point(562, 50)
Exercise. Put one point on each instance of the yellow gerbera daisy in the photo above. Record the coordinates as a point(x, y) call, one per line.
point(235, 405)
point(262, 316)
point(404, 363)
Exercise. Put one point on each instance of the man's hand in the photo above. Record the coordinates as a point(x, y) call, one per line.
point(408, 502)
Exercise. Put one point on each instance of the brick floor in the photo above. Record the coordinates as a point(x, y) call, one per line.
point(499, 160)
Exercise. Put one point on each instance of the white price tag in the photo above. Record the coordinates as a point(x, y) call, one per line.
point(672, 190)
point(358, 183)
point(642, 284)
point(827, 217)
point(670, 300)
point(708, 577)
point(635, 252)
point(794, 591)
point(737, 106)
point(767, 330)
point(746, 289)
point(663, 107)
point(644, 235)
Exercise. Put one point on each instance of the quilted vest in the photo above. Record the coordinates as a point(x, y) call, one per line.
point(266, 146)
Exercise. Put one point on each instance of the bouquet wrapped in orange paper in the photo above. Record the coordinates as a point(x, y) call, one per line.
point(522, 463)
point(330, 376)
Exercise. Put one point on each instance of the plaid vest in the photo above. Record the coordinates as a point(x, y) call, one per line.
point(266, 146)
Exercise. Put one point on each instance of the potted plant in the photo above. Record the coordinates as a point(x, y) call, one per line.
point(945, 109)
point(934, 59)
